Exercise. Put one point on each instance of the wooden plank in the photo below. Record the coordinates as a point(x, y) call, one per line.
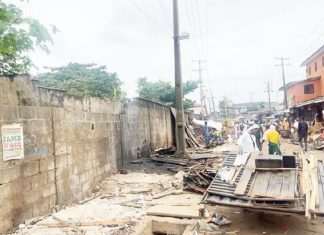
point(320, 187)
point(169, 160)
point(306, 184)
point(271, 185)
point(246, 175)
point(285, 192)
point(175, 211)
point(89, 222)
point(281, 185)
point(261, 184)
point(236, 175)
point(231, 173)
point(292, 184)
point(203, 156)
point(314, 183)
point(192, 138)
point(278, 178)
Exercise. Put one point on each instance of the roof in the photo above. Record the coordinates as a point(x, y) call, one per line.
point(312, 101)
point(290, 84)
point(196, 105)
point(313, 56)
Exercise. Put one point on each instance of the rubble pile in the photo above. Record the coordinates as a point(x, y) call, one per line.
point(198, 180)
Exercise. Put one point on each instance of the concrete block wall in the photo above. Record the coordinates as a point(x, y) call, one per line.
point(71, 143)
point(146, 126)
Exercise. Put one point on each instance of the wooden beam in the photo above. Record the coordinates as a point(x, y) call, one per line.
point(246, 175)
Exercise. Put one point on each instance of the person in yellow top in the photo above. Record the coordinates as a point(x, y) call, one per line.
point(273, 138)
point(286, 124)
point(217, 136)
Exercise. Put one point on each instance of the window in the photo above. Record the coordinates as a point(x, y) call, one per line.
point(309, 70)
point(309, 89)
point(315, 65)
point(323, 61)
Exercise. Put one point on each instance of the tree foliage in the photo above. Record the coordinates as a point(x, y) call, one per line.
point(18, 36)
point(164, 92)
point(84, 80)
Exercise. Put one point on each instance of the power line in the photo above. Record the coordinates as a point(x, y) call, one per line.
point(315, 41)
point(164, 13)
point(313, 30)
point(191, 28)
point(282, 59)
point(194, 26)
point(304, 51)
point(200, 28)
point(148, 16)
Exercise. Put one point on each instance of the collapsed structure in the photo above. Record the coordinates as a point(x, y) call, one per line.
point(292, 184)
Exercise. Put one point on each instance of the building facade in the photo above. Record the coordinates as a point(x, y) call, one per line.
point(306, 97)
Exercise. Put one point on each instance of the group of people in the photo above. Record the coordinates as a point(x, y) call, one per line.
point(297, 130)
point(252, 137)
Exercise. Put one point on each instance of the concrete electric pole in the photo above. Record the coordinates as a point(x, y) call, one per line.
point(199, 70)
point(251, 97)
point(282, 59)
point(214, 110)
point(269, 90)
point(180, 123)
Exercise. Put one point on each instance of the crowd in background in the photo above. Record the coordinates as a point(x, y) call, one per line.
point(252, 135)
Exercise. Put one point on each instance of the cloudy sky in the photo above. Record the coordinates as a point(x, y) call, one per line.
point(239, 40)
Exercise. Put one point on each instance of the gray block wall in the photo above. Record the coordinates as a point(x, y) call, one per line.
point(71, 143)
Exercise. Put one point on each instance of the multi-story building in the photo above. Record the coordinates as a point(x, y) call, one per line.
point(307, 96)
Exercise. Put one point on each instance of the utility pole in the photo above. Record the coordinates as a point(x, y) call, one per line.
point(225, 105)
point(212, 98)
point(205, 105)
point(251, 96)
point(180, 124)
point(209, 106)
point(199, 70)
point(268, 90)
point(282, 64)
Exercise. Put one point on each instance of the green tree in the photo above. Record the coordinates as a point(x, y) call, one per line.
point(18, 36)
point(84, 80)
point(164, 92)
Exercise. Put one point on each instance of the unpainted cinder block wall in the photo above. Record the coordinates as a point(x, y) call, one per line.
point(71, 143)
point(146, 126)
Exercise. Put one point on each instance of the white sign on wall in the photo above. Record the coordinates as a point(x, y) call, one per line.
point(12, 141)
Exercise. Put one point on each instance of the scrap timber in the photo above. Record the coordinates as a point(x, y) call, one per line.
point(269, 189)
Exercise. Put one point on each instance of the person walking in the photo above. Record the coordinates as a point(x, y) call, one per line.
point(273, 138)
point(257, 131)
point(302, 133)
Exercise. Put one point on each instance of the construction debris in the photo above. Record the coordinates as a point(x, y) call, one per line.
point(191, 212)
point(218, 220)
point(170, 160)
point(198, 180)
point(275, 189)
point(167, 193)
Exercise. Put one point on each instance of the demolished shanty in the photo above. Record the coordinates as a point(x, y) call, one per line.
point(270, 183)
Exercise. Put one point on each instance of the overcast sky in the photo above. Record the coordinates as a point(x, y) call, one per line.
point(239, 40)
